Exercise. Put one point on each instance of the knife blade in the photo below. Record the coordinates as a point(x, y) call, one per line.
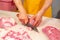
point(33, 28)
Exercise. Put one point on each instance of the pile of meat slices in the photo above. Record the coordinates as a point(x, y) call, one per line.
point(13, 35)
point(7, 22)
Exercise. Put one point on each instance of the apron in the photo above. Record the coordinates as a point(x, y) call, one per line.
point(33, 6)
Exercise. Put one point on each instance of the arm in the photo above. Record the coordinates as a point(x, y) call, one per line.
point(38, 17)
point(22, 16)
point(19, 5)
point(45, 7)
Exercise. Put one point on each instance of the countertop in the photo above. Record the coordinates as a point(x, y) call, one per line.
point(34, 35)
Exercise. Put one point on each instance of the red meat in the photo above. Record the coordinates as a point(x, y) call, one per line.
point(7, 22)
point(21, 35)
point(52, 33)
point(7, 5)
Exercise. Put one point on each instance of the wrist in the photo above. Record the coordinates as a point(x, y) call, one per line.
point(22, 12)
point(40, 13)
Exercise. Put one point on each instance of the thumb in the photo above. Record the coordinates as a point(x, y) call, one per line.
point(31, 20)
point(26, 21)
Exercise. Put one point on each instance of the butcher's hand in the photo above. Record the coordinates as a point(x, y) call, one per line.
point(37, 20)
point(23, 18)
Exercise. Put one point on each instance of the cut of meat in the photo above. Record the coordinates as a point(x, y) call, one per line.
point(18, 34)
point(7, 5)
point(52, 33)
point(6, 0)
point(12, 35)
point(7, 22)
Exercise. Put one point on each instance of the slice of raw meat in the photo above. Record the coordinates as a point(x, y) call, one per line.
point(52, 32)
point(7, 22)
point(20, 35)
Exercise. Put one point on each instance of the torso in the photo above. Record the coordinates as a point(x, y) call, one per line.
point(33, 6)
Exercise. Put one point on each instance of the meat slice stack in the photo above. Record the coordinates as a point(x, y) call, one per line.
point(52, 32)
point(7, 22)
point(19, 35)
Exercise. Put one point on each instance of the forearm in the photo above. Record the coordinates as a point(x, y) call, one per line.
point(19, 5)
point(45, 6)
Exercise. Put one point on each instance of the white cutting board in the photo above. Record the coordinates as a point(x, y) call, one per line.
point(34, 35)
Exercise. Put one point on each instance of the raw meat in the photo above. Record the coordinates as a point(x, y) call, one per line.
point(20, 35)
point(52, 33)
point(7, 22)
point(6, 0)
point(7, 5)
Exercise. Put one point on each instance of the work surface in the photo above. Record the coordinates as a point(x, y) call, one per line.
point(34, 35)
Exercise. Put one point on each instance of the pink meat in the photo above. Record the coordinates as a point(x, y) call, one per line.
point(7, 22)
point(6, 0)
point(52, 33)
point(20, 35)
point(7, 5)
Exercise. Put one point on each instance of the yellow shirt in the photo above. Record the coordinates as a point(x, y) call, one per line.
point(33, 6)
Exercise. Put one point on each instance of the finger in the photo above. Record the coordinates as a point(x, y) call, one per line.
point(32, 18)
point(35, 22)
point(22, 21)
point(18, 15)
point(31, 21)
point(26, 21)
point(38, 23)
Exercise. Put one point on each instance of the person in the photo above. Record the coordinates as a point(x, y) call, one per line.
point(37, 8)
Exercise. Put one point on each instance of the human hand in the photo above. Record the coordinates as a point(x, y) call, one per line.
point(23, 18)
point(35, 20)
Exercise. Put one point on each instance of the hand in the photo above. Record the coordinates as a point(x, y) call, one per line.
point(23, 18)
point(35, 20)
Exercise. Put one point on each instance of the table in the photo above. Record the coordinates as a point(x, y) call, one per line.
point(34, 35)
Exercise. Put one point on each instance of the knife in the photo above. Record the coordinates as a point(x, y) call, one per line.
point(34, 28)
point(30, 25)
